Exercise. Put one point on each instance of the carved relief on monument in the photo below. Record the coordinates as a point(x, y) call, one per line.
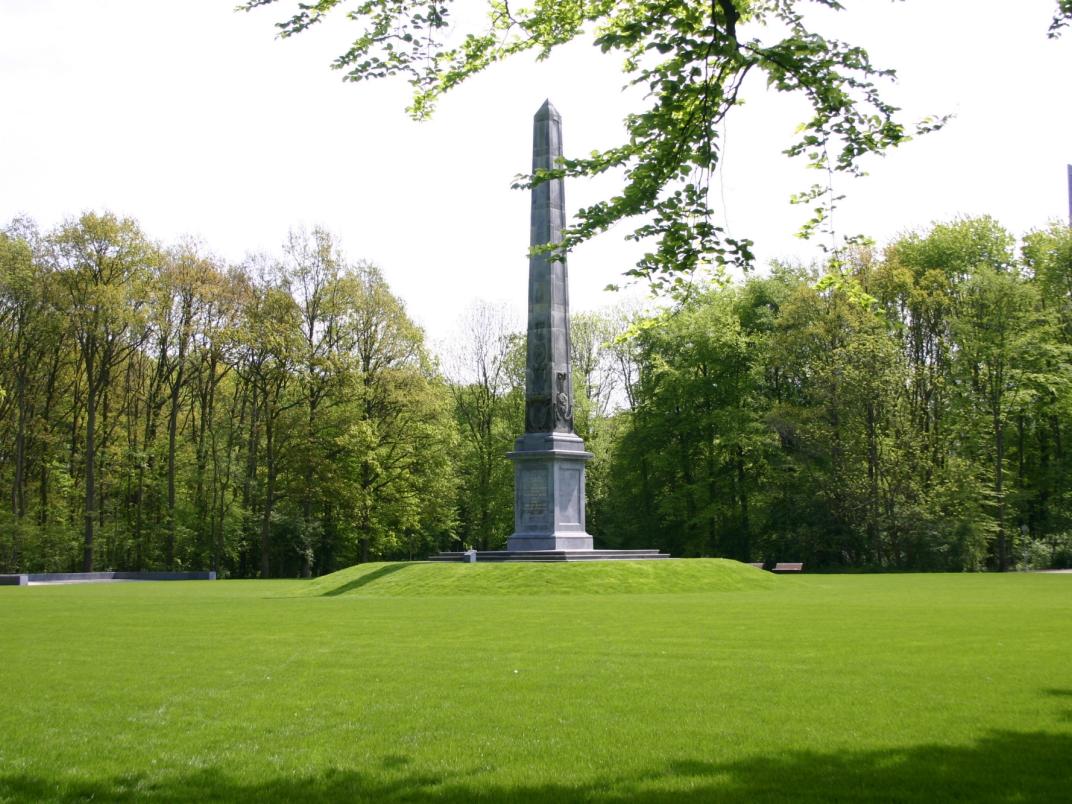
point(539, 297)
point(537, 372)
point(563, 408)
point(538, 415)
point(539, 401)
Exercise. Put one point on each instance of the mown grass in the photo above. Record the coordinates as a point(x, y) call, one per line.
point(849, 688)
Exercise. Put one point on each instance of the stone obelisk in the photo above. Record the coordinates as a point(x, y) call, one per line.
point(549, 459)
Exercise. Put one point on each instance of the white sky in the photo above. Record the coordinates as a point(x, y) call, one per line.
point(196, 120)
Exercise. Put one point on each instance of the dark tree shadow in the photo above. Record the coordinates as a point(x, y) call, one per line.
point(365, 579)
point(1002, 767)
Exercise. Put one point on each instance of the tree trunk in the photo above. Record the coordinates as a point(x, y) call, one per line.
point(269, 492)
point(91, 452)
point(201, 504)
point(689, 489)
point(326, 555)
point(872, 484)
point(251, 469)
point(365, 525)
point(999, 492)
point(46, 414)
point(18, 490)
point(108, 547)
point(742, 492)
point(221, 481)
point(365, 552)
point(173, 424)
point(307, 493)
point(148, 436)
point(18, 497)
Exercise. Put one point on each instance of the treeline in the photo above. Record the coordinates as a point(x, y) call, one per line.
point(285, 417)
point(909, 410)
point(162, 410)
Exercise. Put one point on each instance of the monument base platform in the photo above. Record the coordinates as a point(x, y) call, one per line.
point(554, 542)
point(482, 556)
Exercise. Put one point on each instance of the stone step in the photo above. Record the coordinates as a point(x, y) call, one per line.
point(484, 556)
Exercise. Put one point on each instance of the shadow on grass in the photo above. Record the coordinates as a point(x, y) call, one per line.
point(1066, 716)
point(1005, 766)
point(364, 580)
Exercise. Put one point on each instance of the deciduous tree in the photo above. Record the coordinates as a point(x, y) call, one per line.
point(103, 263)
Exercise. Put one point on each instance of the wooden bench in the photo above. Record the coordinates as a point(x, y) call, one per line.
point(757, 564)
point(788, 566)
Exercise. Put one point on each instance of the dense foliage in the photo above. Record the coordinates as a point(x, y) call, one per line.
point(691, 59)
point(905, 411)
point(274, 418)
point(909, 409)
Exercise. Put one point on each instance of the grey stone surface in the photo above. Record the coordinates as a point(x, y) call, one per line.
point(549, 493)
point(543, 556)
point(548, 382)
point(549, 458)
point(91, 577)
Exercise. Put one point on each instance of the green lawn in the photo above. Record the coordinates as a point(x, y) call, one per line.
point(669, 681)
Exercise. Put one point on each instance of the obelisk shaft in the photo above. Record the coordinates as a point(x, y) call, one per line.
point(548, 384)
point(549, 458)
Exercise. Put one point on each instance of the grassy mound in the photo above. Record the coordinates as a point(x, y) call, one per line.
point(418, 579)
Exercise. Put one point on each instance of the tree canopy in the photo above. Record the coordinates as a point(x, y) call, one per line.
point(691, 58)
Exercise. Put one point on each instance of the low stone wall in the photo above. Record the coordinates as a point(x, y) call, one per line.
point(69, 577)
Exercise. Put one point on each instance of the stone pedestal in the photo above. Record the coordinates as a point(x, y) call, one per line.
point(549, 493)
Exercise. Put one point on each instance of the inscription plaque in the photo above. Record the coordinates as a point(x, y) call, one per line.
point(535, 496)
point(570, 480)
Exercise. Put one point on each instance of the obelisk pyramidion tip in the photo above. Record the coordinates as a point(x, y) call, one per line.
point(548, 111)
